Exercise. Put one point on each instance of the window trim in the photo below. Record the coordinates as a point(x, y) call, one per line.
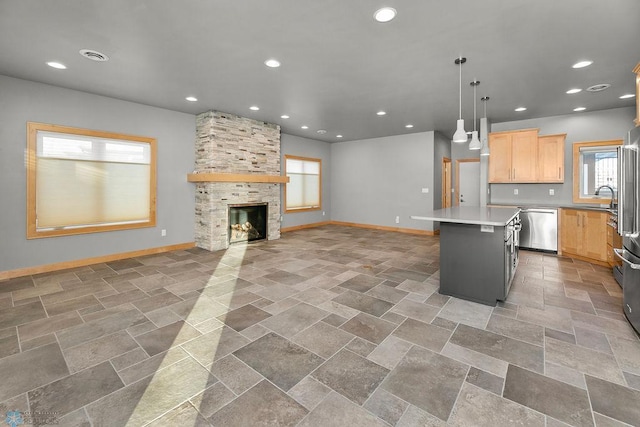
point(307, 159)
point(577, 198)
point(32, 135)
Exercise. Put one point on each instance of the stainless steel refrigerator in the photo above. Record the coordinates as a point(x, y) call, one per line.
point(629, 225)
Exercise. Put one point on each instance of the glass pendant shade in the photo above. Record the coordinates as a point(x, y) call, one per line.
point(460, 135)
point(475, 143)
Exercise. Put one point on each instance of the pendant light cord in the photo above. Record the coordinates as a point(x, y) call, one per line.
point(474, 106)
point(460, 91)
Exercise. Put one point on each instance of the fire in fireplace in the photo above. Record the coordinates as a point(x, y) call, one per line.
point(247, 222)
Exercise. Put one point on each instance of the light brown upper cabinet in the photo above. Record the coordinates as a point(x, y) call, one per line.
point(637, 71)
point(551, 158)
point(513, 156)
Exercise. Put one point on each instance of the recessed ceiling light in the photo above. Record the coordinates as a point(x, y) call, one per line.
point(94, 55)
point(381, 113)
point(385, 14)
point(582, 64)
point(191, 98)
point(254, 108)
point(338, 136)
point(572, 91)
point(57, 65)
point(579, 109)
point(321, 131)
point(408, 126)
point(284, 116)
point(598, 87)
point(521, 109)
point(304, 127)
point(627, 95)
point(272, 63)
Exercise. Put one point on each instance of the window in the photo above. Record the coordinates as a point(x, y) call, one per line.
point(595, 168)
point(303, 192)
point(84, 181)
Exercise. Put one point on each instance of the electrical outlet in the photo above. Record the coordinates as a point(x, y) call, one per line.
point(551, 192)
point(163, 233)
point(322, 213)
point(397, 220)
point(515, 191)
point(425, 190)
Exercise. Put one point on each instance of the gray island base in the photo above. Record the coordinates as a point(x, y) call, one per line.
point(478, 251)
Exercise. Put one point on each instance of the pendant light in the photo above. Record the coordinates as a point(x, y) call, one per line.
point(485, 144)
point(475, 143)
point(460, 135)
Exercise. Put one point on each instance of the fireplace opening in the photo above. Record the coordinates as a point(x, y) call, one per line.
point(247, 222)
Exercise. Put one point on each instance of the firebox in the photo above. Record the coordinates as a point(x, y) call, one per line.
point(247, 222)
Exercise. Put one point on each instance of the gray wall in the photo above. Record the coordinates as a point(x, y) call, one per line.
point(303, 147)
point(24, 101)
point(375, 180)
point(579, 127)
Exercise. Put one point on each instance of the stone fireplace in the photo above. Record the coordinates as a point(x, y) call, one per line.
point(237, 164)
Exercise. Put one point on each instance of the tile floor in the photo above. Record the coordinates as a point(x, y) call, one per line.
point(333, 326)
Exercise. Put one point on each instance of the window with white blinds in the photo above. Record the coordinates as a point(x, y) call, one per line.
point(303, 192)
point(83, 181)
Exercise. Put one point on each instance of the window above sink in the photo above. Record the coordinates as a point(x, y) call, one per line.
point(595, 172)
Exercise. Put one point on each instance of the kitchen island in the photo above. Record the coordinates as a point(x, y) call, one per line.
point(478, 251)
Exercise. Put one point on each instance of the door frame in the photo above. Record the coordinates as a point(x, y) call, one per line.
point(446, 189)
point(458, 161)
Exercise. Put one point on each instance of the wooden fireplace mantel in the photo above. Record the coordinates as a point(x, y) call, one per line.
point(236, 177)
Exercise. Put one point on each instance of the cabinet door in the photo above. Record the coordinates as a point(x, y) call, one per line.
point(524, 156)
point(570, 231)
point(594, 237)
point(551, 158)
point(500, 159)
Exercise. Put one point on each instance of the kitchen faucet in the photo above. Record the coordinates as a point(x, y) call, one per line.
point(613, 194)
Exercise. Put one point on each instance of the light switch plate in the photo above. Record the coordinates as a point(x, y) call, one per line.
point(425, 190)
point(515, 191)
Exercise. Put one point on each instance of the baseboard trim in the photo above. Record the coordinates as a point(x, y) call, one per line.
point(47, 268)
point(369, 226)
point(304, 226)
point(385, 228)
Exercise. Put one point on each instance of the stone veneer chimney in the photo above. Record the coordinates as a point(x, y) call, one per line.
point(230, 144)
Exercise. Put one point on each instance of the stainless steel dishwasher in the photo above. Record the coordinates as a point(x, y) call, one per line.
point(539, 229)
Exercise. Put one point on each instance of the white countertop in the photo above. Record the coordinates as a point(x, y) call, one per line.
point(472, 215)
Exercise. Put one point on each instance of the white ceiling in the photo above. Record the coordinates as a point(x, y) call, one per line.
point(339, 66)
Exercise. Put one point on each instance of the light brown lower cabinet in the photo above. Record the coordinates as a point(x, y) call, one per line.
point(614, 240)
point(583, 235)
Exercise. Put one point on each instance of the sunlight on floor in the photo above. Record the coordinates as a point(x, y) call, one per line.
point(161, 384)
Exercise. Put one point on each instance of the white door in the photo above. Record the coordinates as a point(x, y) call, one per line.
point(469, 182)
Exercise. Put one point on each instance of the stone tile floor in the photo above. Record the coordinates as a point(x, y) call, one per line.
point(331, 326)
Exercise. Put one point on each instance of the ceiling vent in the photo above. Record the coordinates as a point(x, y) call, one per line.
point(598, 88)
point(94, 55)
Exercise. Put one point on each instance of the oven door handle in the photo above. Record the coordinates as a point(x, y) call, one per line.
point(621, 253)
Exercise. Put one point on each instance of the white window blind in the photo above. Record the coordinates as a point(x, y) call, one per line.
point(87, 181)
point(304, 187)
